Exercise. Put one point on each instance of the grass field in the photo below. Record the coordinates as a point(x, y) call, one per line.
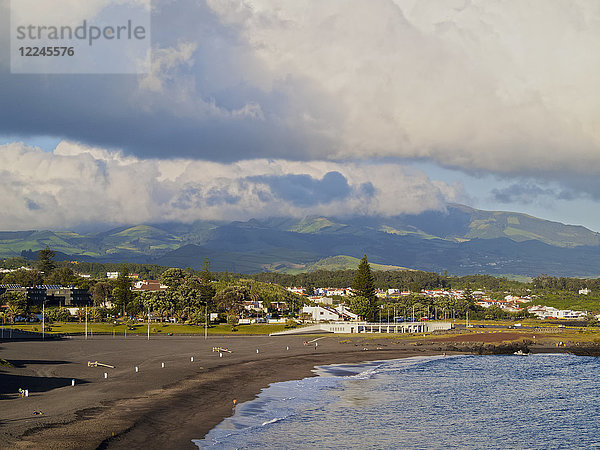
point(155, 328)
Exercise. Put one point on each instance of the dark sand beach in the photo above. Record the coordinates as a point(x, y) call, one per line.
point(155, 407)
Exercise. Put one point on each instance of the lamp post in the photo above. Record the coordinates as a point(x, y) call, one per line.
point(205, 320)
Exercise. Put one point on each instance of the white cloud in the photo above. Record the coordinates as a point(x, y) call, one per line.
point(76, 184)
point(498, 86)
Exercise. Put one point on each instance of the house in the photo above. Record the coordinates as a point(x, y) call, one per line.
point(255, 306)
point(297, 290)
point(585, 291)
point(148, 286)
point(326, 313)
point(280, 307)
point(321, 299)
point(548, 312)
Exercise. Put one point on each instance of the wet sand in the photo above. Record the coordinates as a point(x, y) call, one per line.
point(156, 406)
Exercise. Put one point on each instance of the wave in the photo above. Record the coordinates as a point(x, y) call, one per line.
point(275, 420)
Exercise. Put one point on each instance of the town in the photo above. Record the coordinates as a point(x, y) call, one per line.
point(203, 298)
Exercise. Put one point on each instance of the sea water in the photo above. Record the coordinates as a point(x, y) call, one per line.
point(537, 401)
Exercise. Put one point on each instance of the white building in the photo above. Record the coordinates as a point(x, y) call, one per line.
point(585, 291)
point(321, 300)
point(364, 327)
point(326, 313)
point(548, 312)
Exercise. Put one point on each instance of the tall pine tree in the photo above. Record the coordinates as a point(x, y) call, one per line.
point(46, 261)
point(364, 283)
point(364, 301)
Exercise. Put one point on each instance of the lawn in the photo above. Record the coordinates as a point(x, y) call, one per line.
point(155, 328)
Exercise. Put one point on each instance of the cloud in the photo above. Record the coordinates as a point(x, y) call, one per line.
point(78, 185)
point(524, 193)
point(304, 190)
point(476, 85)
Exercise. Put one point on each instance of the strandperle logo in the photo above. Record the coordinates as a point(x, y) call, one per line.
point(84, 32)
point(90, 37)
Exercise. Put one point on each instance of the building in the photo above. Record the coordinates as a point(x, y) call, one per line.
point(67, 296)
point(35, 295)
point(365, 327)
point(148, 286)
point(321, 300)
point(548, 312)
point(325, 313)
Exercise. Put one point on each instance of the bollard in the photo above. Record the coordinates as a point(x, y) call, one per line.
point(191, 359)
point(137, 369)
point(256, 350)
point(163, 365)
point(220, 355)
point(73, 382)
point(26, 392)
point(105, 375)
point(287, 347)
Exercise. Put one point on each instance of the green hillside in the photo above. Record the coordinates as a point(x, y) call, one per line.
point(459, 239)
point(522, 227)
point(339, 262)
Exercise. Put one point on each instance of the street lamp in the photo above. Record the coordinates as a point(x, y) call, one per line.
point(205, 320)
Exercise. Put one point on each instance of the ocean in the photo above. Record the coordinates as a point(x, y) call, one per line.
point(539, 401)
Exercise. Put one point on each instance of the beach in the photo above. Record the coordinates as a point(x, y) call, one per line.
point(156, 406)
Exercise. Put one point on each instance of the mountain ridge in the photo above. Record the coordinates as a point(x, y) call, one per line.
point(460, 239)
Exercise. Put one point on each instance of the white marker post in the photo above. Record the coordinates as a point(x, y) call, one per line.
point(137, 369)
point(105, 375)
point(191, 359)
point(73, 382)
point(163, 365)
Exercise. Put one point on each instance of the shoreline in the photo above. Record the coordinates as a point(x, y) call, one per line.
point(169, 406)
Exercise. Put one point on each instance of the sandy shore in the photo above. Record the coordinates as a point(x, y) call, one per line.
point(156, 406)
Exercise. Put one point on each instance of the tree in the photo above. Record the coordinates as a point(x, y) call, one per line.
point(63, 276)
point(24, 277)
point(17, 303)
point(232, 320)
point(46, 262)
point(206, 275)
point(362, 307)
point(231, 299)
point(364, 284)
point(101, 292)
point(363, 287)
point(206, 288)
point(173, 277)
point(121, 293)
point(160, 302)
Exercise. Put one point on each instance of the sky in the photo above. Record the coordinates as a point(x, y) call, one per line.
point(257, 108)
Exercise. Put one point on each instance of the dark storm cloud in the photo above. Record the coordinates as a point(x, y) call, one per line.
point(520, 193)
point(200, 107)
point(304, 190)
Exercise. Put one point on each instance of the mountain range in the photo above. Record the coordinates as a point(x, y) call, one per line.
point(460, 240)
